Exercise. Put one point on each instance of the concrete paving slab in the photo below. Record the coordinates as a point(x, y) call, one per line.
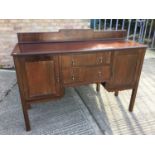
point(111, 113)
point(7, 81)
point(65, 116)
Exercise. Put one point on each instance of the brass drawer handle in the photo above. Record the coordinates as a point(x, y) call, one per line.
point(99, 73)
point(73, 62)
point(58, 79)
point(73, 78)
point(100, 60)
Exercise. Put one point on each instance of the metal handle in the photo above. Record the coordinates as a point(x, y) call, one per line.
point(73, 62)
point(100, 59)
point(99, 73)
point(58, 79)
point(73, 78)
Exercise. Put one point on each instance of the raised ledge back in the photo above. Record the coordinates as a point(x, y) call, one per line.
point(70, 35)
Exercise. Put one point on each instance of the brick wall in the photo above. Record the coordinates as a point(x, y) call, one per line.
point(9, 28)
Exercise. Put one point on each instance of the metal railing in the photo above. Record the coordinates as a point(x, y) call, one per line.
point(140, 30)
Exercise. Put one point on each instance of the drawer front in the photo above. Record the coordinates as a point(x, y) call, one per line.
point(72, 75)
point(78, 60)
point(84, 60)
point(86, 74)
point(97, 74)
point(104, 58)
point(81, 60)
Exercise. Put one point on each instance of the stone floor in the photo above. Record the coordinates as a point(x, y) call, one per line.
point(111, 113)
point(67, 115)
point(83, 110)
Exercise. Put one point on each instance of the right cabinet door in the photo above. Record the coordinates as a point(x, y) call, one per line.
point(125, 66)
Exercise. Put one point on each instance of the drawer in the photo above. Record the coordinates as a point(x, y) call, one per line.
point(97, 74)
point(86, 74)
point(72, 75)
point(104, 58)
point(83, 60)
point(78, 60)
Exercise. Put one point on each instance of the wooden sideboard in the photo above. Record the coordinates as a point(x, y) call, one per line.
point(46, 63)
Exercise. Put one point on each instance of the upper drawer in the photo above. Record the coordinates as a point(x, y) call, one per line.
point(104, 58)
point(91, 59)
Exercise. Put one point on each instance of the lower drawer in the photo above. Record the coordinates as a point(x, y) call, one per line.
point(97, 74)
point(86, 74)
point(72, 75)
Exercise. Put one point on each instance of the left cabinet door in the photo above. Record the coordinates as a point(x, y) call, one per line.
point(41, 77)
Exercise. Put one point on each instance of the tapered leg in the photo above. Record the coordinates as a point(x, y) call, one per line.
point(116, 93)
point(26, 117)
point(19, 65)
point(132, 100)
point(98, 87)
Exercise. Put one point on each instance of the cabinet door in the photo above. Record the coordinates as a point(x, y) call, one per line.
point(125, 69)
point(41, 77)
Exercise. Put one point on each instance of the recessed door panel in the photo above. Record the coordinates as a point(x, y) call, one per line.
point(124, 69)
point(41, 78)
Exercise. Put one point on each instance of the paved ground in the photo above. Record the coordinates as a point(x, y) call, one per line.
point(7, 81)
point(82, 110)
point(65, 116)
point(111, 113)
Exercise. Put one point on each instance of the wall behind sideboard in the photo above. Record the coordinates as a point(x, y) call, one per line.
point(9, 28)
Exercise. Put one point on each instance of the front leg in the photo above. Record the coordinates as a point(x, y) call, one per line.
point(116, 93)
point(98, 87)
point(26, 116)
point(132, 100)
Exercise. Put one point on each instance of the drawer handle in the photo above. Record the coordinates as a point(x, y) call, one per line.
point(58, 79)
point(100, 60)
point(99, 73)
point(73, 78)
point(73, 62)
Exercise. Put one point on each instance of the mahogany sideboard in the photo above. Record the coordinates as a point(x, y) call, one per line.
point(48, 62)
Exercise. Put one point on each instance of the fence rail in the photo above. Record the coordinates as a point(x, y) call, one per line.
point(140, 30)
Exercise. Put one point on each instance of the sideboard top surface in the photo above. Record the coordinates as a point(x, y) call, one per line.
point(73, 47)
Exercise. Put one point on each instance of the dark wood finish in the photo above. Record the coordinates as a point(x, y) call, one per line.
point(81, 68)
point(25, 105)
point(125, 68)
point(135, 87)
point(46, 63)
point(70, 35)
point(27, 49)
point(42, 77)
point(98, 87)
